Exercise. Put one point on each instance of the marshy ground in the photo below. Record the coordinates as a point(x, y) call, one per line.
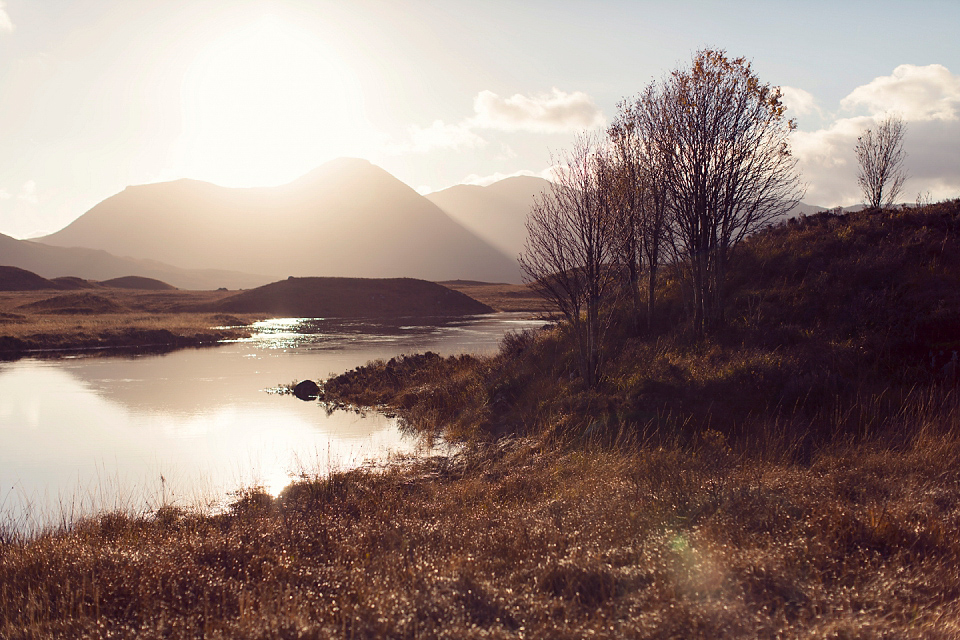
point(52, 321)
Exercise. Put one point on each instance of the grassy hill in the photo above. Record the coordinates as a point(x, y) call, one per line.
point(835, 322)
point(138, 282)
point(353, 298)
point(790, 476)
point(16, 279)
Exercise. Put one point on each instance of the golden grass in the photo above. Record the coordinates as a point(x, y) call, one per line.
point(526, 540)
point(501, 296)
point(149, 319)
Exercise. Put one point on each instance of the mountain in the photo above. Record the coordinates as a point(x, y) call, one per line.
point(497, 213)
point(803, 209)
point(346, 218)
point(91, 264)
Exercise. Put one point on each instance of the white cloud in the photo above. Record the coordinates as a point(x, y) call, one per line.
point(928, 99)
point(6, 24)
point(441, 135)
point(799, 102)
point(554, 112)
point(4, 194)
point(28, 192)
point(918, 93)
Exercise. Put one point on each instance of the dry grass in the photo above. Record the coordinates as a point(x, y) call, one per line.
point(793, 476)
point(501, 296)
point(521, 540)
point(146, 319)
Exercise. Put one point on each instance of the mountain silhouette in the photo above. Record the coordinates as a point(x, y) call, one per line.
point(346, 218)
point(497, 213)
point(93, 264)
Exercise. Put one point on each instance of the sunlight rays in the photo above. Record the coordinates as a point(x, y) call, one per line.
point(265, 103)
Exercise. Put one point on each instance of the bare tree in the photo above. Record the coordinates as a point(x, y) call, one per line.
point(642, 221)
point(568, 250)
point(719, 138)
point(880, 156)
point(621, 192)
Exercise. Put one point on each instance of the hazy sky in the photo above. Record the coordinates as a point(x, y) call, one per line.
point(96, 95)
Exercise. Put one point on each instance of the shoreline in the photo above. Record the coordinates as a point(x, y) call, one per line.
point(522, 539)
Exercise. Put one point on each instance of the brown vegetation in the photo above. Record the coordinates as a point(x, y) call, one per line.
point(522, 540)
point(790, 476)
point(837, 320)
point(50, 322)
point(501, 296)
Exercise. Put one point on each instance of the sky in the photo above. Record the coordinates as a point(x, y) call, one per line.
point(96, 95)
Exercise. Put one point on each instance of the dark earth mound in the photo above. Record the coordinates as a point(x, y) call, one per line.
point(17, 279)
point(138, 282)
point(353, 298)
point(74, 283)
point(82, 303)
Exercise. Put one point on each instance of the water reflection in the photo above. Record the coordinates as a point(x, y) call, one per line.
point(86, 433)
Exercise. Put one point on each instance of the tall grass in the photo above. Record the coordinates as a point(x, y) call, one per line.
point(520, 539)
point(792, 476)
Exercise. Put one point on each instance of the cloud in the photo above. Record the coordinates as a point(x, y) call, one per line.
point(928, 99)
point(441, 135)
point(799, 102)
point(918, 93)
point(554, 112)
point(4, 194)
point(28, 192)
point(6, 24)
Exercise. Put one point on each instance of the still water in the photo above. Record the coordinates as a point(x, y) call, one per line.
point(87, 433)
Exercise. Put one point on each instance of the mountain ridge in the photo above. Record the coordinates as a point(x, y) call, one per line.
point(94, 264)
point(347, 218)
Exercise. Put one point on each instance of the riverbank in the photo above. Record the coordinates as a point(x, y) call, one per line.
point(52, 322)
point(56, 322)
point(792, 474)
point(520, 539)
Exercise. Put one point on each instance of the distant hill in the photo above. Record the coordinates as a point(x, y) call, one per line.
point(78, 303)
point(16, 279)
point(74, 283)
point(346, 218)
point(137, 282)
point(91, 264)
point(497, 213)
point(352, 298)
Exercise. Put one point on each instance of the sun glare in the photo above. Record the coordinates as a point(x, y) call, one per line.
point(265, 103)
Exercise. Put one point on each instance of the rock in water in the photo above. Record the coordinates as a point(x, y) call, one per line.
point(306, 390)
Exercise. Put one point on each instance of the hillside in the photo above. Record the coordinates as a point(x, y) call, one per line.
point(75, 303)
point(792, 475)
point(346, 218)
point(94, 264)
point(497, 213)
point(16, 279)
point(835, 323)
point(352, 298)
point(137, 282)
